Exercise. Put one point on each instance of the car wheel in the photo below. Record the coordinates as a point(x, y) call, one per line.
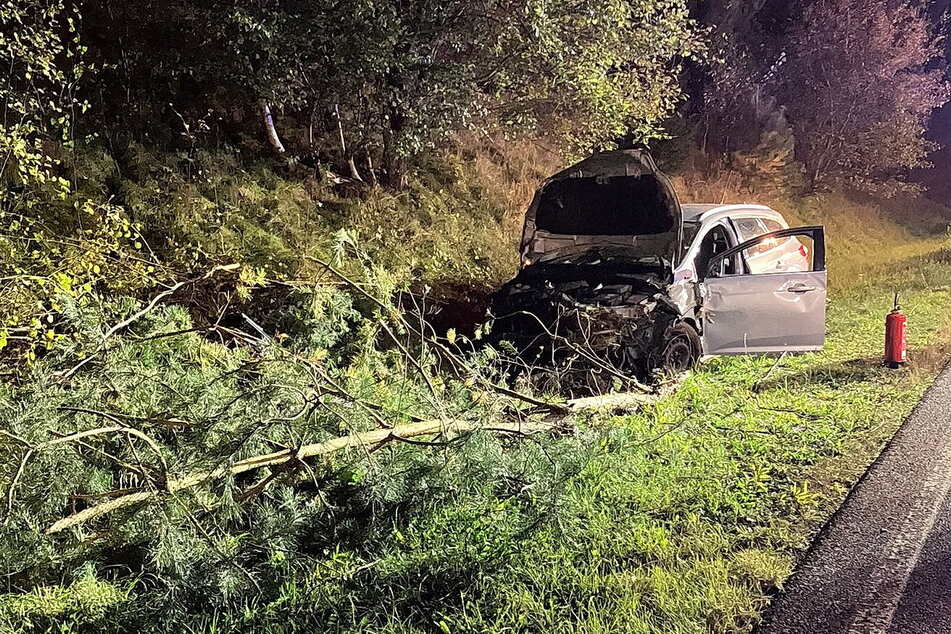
point(680, 351)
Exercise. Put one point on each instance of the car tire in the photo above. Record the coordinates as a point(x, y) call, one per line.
point(680, 351)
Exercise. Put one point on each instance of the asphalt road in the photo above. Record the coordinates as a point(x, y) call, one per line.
point(883, 564)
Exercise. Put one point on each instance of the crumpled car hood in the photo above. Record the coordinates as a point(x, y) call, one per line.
point(588, 279)
point(609, 199)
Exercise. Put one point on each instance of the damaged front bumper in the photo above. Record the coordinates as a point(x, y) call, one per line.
point(613, 326)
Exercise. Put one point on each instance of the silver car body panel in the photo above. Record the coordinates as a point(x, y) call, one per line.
point(767, 313)
point(683, 289)
point(744, 312)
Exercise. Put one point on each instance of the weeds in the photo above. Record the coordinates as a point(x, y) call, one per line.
point(683, 515)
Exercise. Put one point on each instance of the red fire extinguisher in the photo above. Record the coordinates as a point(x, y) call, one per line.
point(896, 343)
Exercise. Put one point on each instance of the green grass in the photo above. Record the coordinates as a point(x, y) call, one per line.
point(700, 508)
point(689, 515)
point(685, 516)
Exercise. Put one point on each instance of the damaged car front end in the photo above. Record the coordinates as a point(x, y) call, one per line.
point(599, 248)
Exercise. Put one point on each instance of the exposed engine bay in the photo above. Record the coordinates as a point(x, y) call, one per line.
point(598, 310)
point(598, 250)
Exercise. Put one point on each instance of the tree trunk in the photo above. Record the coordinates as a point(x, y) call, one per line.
point(272, 135)
point(354, 173)
point(371, 169)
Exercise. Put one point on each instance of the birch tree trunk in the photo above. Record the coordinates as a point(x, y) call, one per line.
point(272, 135)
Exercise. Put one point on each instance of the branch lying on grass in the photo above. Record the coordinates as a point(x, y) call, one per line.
point(283, 457)
point(138, 315)
point(405, 433)
point(611, 401)
point(756, 387)
point(291, 458)
point(76, 437)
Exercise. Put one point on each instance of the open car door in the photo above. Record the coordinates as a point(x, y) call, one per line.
point(763, 310)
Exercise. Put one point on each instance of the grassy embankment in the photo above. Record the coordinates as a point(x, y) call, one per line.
point(699, 506)
point(682, 517)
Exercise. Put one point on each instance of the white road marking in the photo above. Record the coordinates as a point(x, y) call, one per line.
point(876, 613)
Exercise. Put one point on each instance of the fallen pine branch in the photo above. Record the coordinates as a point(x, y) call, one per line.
point(77, 437)
point(450, 355)
point(376, 438)
point(125, 323)
point(283, 457)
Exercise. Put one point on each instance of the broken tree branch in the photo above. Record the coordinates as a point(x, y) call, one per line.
point(611, 401)
point(434, 342)
point(99, 431)
point(138, 315)
point(282, 457)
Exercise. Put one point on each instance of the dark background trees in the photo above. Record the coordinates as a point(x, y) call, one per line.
point(846, 88)
point(363, 86)
point(386, 79)
point(860, 87)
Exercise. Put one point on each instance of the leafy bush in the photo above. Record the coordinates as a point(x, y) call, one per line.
point(53, 243)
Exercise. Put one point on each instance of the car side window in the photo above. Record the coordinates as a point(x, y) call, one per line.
point(780, 255)
point(749, 228)
point(716, 241)
point(800, 250)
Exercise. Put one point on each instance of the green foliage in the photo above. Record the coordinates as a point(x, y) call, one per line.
point(399, 78)
point(84, 602)
point(172, 214)
point(679, 517)
point(54, 244)
point(39, 90)
point(444, 227)
point(199, 404)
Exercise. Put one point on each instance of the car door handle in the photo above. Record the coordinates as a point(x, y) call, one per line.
point(801, 288)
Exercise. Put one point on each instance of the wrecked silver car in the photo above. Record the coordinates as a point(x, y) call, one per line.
point(617, 275)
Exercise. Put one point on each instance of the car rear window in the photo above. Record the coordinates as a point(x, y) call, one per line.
point(749, 228)
point(614, 206)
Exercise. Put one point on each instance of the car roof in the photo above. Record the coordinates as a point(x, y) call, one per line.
point(697, 212)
